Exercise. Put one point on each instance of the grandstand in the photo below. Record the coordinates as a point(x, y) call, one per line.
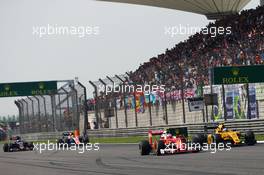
point(210, 8)
point(184, 69)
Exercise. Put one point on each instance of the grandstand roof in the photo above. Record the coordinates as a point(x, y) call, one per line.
point(213, 9)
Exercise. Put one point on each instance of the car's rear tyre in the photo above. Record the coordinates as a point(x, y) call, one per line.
point(161, 145)
point(60, 142)
point(25, 146)
point(144, 147)
point(31, 146)
point(217, 139)
point(6, 147)
point(68, 141)
point(198, 139)
point(250, 138)
point(81, 139)
point(85, 139)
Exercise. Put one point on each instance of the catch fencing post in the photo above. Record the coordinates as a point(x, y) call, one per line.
point(28, 122)
point(33, 117)
point(85, 122)
point(45, 112)
point(60, 118)
point(114, 101)
point(96, 102)
point(165, 106)
point(124, 100)
point(39, 116)
point(134, 95)
point(75, 106)
point(224, 101)
point(53, 106)
point(182, 96)
point(248, 101)
point(150, 114)
point(22, 125)
point(19, 115)
point(104, 100)
point(68, 107)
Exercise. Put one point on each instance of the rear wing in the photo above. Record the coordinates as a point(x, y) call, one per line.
point(155, 132)
point(173, 131)
point(180, 131)
point(210, 126)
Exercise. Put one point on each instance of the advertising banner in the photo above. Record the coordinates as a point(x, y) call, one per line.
point(229, 96)
point(252, 113)
point(239, 112)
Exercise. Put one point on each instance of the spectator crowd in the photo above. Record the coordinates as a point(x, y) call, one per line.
point(187, 64)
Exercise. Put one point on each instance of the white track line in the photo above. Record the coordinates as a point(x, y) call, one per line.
point(261, 142)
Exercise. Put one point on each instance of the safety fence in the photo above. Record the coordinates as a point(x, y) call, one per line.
point(65, 109)
point(54, 112)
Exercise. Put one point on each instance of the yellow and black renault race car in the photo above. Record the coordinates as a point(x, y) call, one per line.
point(223, 135)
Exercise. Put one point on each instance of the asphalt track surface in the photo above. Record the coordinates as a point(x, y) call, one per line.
point(125, 160)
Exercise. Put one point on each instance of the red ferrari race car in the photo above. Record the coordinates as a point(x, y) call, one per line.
point(170, 141)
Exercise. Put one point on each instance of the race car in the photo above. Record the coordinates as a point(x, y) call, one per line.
point(17, 144)
point(72, 138)
point(223, 135)
point(171, 141)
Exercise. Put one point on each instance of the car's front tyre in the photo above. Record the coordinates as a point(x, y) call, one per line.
point(144, 147)
point(250, 138)
point(161, 146)
point(6, 147)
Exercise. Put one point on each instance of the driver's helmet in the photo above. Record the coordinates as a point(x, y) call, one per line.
point(18, 138)
point(221, 127)
point(169, 135)
point(69, 135)
point(164, 134)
